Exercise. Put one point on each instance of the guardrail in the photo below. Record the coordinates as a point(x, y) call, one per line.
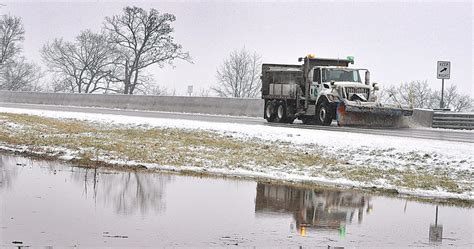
point(453, 120)
point(207, 105)
point(204, 105)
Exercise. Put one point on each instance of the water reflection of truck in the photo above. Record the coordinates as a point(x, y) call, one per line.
point(321, 90)
point(312, 209)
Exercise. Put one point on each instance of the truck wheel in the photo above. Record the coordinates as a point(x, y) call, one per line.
point(281, 113)
point(270, 111)
point(323, 114)
point(290, 114)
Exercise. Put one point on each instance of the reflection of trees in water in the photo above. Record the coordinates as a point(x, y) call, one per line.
point(8, 171)
point(128, 192)
point(10, 167)
point(312, 208)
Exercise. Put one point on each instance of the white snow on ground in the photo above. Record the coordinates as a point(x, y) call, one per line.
point(356, 149)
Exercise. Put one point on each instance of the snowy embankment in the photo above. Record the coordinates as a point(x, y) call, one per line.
point(412, 166)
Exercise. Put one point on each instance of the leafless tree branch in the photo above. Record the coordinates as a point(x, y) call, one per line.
point(84, 66)
point(11, 35)
point(20, 75)
point(143, 38)
point(239, 75)
point(418, 94)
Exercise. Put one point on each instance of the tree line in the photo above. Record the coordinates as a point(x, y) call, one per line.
point(115, 60)
point(16, 73)
point(418, 94)
point(111, 60)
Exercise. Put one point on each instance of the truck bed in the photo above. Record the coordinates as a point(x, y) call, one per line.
point(280, 80)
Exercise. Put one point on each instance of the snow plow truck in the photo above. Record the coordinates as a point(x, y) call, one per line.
point(322, 90)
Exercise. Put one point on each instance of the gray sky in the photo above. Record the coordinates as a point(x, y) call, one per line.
point(397, 41)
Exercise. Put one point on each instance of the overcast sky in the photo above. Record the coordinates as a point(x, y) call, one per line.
point(397, 41)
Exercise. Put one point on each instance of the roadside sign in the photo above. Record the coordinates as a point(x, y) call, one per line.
point(444, 69)
point(190, 90)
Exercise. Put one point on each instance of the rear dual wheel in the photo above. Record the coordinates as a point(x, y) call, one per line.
point(270, 113)
point(281, 116)
point(277, 112)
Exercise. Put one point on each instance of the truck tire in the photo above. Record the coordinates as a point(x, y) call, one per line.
point(323, 114)
point(270, 113)
point(290, 113)
point(281, 115)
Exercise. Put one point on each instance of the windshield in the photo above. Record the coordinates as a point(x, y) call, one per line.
point(341, 75)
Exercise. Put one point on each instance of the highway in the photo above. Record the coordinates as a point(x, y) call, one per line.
point(423, 133)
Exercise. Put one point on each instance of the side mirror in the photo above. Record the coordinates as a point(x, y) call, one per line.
point(375, 86)
point(367, 77)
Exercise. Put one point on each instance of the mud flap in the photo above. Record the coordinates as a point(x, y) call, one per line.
point(370, 115)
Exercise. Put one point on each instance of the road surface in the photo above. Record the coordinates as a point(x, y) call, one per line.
point(424, 133)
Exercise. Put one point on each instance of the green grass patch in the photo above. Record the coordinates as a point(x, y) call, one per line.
point(175, 147)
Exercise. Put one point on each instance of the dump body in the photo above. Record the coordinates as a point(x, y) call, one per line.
point(280, 81)
point(321, 90)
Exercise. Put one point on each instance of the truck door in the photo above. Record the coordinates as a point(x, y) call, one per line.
point(316, 83)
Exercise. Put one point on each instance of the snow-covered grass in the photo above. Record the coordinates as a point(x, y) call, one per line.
point(411, 166)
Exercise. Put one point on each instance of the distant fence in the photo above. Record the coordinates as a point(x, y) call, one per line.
point(205, 105)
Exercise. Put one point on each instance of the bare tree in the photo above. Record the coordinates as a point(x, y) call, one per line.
point(450, 95)
point(416, 94)
point(19, 75)
point(204, 92)
point(59, 85)
point(462, 103)
point(143, 38)
point(11, 35)
point(239, 75)
point(420, 92)
point(156, 90)
point(82, 66)
point(452, 99)
point(15, 73)
point(435, 99)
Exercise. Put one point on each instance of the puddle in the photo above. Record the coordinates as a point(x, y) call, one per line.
point(46, 204)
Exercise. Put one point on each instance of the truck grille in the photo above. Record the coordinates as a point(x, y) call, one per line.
point(352, 90)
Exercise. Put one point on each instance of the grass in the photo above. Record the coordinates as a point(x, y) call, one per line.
point(96, 143)
point(173, 147)
point(411, 179)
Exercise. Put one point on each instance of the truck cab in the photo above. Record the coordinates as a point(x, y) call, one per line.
point(332, 84)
